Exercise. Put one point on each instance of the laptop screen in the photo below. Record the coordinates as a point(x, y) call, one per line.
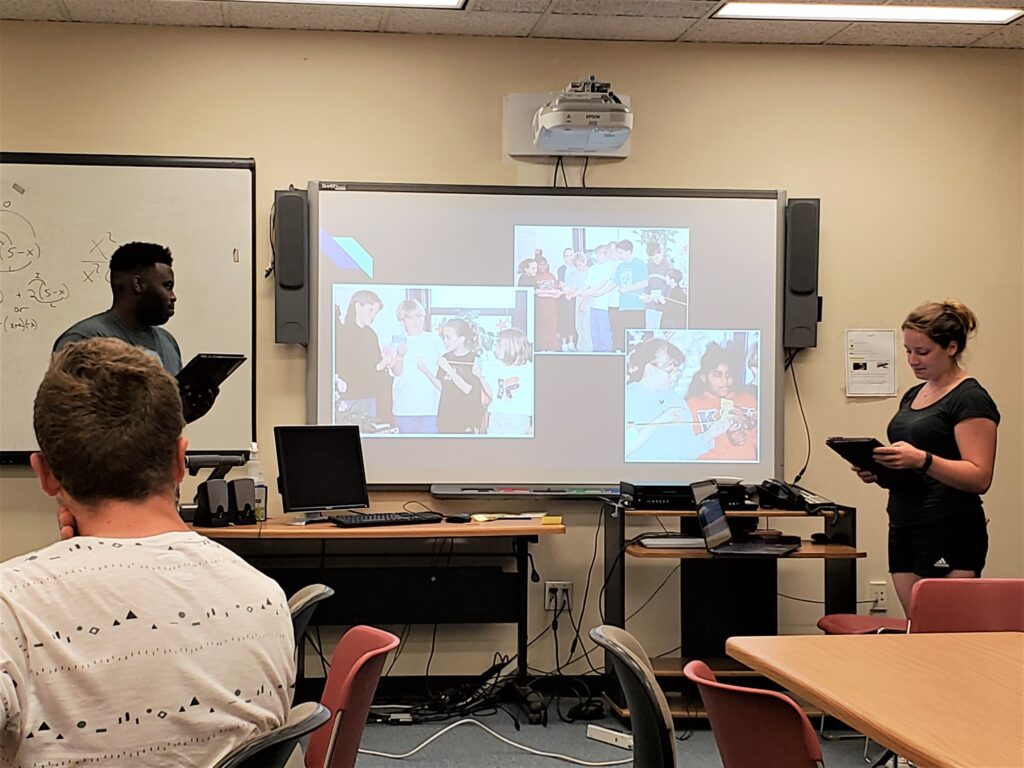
point(321, 468)
point(713, 523)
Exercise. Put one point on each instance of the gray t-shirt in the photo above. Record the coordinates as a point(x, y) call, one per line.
point(106, 325)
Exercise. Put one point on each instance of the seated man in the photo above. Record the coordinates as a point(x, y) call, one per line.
point(136, 641)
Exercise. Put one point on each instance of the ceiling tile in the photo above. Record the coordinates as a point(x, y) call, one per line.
point(749, 31)
point(509, 6)
point(945, 35)
point(655, 20)
point(440, 22)
point(31, 10)
point(970, 3)
point(693, 9)
point(610, 27)
point(1011, 36)
point(185, 13)
point(289, 16)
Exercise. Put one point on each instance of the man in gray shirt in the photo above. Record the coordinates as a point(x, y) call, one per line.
point(142, 282)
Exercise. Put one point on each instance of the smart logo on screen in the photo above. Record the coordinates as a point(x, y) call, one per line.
point(346, 253)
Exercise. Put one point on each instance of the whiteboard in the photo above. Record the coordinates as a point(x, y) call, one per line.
point(61, 218)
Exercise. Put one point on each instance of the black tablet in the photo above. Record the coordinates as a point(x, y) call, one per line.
point(207, 371)
point(858, 451)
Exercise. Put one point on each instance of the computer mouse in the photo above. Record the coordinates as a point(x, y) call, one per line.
point(457, 518)
point(820, 538)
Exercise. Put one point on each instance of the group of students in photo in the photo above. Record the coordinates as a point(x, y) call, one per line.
point(430, 381)
point(595, 295)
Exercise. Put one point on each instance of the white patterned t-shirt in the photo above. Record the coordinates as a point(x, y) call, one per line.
point(168, 650)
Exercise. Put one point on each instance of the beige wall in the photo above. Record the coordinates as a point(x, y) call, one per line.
point(917, 155)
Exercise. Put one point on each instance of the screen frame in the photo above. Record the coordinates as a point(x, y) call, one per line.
point(283, 479)
point(315, 187)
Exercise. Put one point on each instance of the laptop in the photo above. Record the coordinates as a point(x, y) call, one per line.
point(714, 525)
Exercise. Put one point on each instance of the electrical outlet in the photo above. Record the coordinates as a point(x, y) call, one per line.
point(878, 593)
point(557, 595)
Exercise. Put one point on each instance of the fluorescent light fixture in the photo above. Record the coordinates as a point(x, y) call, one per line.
point(442, 4)
point(929, 14)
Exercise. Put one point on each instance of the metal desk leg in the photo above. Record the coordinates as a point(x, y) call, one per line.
point(614, 567)
point(841, 573)
point(521, 546)
point(614, 519)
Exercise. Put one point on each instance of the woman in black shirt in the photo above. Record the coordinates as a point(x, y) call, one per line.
point(943, 444)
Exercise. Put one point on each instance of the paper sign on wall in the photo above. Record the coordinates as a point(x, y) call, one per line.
point(870, 363)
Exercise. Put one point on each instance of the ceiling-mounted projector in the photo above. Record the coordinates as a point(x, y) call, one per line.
point(585, 118)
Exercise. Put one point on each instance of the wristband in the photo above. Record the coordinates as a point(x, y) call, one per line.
point(927, 461)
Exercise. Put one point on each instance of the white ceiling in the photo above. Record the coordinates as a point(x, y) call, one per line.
point(684, 21)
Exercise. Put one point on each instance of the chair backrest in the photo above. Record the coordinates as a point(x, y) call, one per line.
point(654, 739)
point(967, 605)
point(273, 748)
point(351, 683)
point(755, 728)
point(302, 604)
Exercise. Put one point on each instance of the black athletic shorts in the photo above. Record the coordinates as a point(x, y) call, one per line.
point(932, 550)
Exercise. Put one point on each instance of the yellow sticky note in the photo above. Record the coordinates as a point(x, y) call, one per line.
point(551, 520)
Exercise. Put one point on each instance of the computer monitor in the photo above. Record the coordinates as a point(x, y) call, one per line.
point(321, 468)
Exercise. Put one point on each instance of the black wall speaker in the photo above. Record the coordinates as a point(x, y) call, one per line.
point(242, 501)
point(213, 509)
point(291, 266)
point(801, 309)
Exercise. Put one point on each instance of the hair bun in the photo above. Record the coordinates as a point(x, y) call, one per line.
point(962, 313)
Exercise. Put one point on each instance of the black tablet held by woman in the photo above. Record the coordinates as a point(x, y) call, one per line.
point(858, 451)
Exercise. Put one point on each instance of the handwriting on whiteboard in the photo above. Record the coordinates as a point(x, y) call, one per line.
point(19, 324)
point(19, 248)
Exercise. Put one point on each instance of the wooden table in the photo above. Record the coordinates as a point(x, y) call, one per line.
point(400, 592)
point(940, 700)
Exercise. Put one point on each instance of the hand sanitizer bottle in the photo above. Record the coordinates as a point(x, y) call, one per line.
point(252, 469)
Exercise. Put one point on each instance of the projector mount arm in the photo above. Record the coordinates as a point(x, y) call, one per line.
point(592, 85)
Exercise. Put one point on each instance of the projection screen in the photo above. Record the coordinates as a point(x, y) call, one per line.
point(548, 335)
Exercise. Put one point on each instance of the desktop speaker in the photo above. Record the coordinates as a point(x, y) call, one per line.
point(242, 501)
point(213, 509)
point(291, 266)
point(801, 311)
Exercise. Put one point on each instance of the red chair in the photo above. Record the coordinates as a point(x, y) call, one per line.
point(859, 624)
point(967, 605)
point(351, 683)
point(755, 728)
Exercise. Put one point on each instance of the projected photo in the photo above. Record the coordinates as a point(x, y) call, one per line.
point(592, 283)
point(433, 360)
point(691, 396)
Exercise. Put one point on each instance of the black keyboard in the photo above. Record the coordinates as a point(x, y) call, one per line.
point(385, 518)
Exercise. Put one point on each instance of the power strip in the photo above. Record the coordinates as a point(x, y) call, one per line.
point(608, 736)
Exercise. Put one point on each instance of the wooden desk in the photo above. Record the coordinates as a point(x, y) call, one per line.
point(940, 700)
point(808, 549)
point(432, 592)
point(277, 528)
point(725, 596)
point(720, 597)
